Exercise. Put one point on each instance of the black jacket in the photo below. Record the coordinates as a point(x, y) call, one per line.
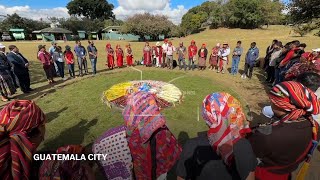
point(18, 63)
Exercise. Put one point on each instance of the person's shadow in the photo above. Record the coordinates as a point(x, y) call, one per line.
point(73, 135)
point(53, 115)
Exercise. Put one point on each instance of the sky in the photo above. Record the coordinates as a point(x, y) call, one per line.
point(36, 9)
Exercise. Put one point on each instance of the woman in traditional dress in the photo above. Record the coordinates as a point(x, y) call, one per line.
point(147, 51)
point(292, 135)
point(222, 152)
point(202, 53)
point(7, 86)
point(213, 61)
point(119, 53)
point(129, 55)
point(22, 129)
point(154, 149)
point(110, 56)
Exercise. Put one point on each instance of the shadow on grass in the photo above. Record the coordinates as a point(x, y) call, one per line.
point(53, 115)
point(72, 135)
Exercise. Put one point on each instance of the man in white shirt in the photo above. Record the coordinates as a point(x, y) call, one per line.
point(223, 54)
point(164, 53)
point(169, 52)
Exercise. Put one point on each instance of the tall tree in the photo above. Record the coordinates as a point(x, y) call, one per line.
point(147, 25)
point(91, 9)
point(75, 24)
point(304, 11)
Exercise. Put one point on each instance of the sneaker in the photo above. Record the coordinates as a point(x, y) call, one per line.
point(65, 79)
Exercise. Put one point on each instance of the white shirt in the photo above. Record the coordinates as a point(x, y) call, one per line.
point(164, 47)
point(170, 50)
point(224, 53)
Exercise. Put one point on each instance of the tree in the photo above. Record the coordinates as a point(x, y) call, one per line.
point(75, 24)
point(15, 21)
point(304, 11)
point(91, 9)
point(147, 25)
point(272, 11)
point(244, 14)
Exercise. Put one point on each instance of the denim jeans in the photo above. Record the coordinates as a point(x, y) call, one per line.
point(60, 66)
point(94, 65)
point(235, 65)
point(191, 63)
point(71, 70)
point(183, 61)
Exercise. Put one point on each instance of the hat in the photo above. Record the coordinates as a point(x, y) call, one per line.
point(158, 44)
point(203, 44)
point(68, 47)
point(267, 111)
point(165, 40)
point(192, 41)
point(225, 43)
point(41, 46)
point(53, 43)
point(2, 46)
point(316, 50)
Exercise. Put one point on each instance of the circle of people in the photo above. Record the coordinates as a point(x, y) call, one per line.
point(145, 148)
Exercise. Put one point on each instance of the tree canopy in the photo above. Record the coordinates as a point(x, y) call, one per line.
point(91, 9)
point(15, 21)
point(75, 24)
point(147, 24)
point(233, 13)
point(304, 11)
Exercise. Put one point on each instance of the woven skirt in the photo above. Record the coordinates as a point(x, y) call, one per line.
point(7, 86)
point(202, 61)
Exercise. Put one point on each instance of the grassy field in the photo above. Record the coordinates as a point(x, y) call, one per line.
point(76, 114)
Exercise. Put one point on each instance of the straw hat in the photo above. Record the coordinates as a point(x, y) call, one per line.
point(158, 44)
point(316, 50)
point(2, 46)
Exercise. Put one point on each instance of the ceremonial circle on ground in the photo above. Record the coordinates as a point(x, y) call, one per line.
point(166, 94)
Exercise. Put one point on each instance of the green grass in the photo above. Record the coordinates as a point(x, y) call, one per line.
point(76, 114)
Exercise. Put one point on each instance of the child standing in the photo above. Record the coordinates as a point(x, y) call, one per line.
point(68, 55)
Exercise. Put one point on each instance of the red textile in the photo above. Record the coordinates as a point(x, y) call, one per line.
point(16, 120)
point(192, 50)
point(69, 57)
point(147, 56)
point(119, 53)
point(45, 58)
point(263, 174)
point(129, 56)
point(288, 57)
point(159, 52)
point(110, 58)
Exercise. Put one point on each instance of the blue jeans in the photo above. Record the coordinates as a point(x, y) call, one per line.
point(71, 70)
point(235, 65)
point(94, 65)
point(191, 63)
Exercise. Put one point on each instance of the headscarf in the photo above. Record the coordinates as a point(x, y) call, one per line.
point(144, 122)
point(71, 170)
point(227, 122)
point(17, 119)
point(295, 99)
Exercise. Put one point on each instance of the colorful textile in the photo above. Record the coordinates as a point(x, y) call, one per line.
point(16, 120)
point(227, 122)
point(147, 51)
point(214, 56)
point(110, 56)
point(7, 87)
point(295, 99)
point(119, 53)
point(300, 68)
point(118, 164)
point(71, 170)
point(144, 122)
